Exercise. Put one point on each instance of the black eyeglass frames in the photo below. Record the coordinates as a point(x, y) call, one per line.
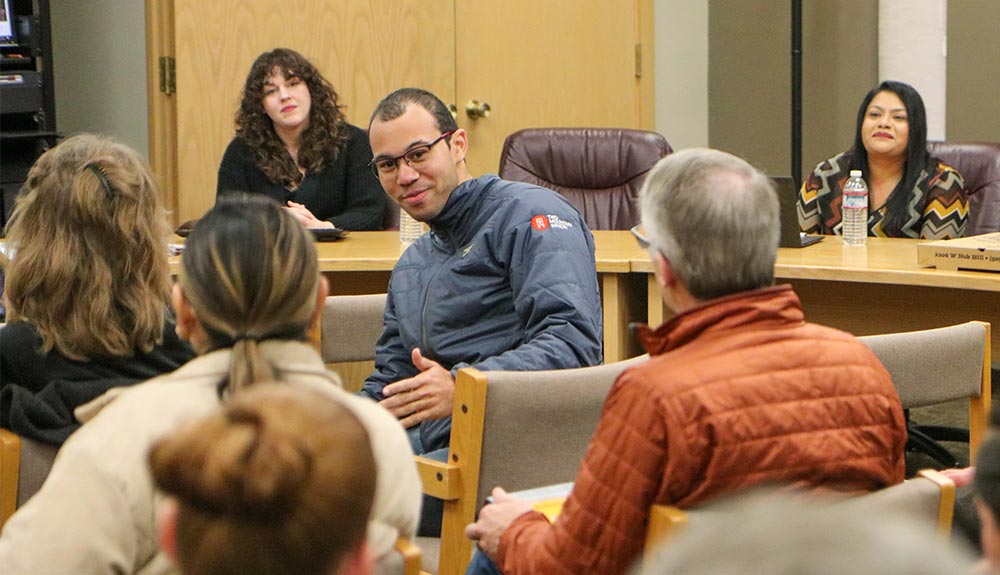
point(384, 166)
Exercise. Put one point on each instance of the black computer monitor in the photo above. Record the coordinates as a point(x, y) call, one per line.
point(790, 235)
point(7, 24)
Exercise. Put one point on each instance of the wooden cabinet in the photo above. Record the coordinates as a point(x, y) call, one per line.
point(552, 63)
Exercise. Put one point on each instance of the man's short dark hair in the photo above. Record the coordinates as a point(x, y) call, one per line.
point(394, 105)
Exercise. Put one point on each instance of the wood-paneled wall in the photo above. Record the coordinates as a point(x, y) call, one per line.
point(365, 48)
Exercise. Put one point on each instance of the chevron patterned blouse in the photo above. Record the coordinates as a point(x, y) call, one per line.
point(938, 210)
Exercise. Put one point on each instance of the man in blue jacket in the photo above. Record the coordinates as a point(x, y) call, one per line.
point(505, 280)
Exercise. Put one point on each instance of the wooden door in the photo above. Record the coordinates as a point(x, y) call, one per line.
point(365, 48)
point(161, 104)
point(551, 63)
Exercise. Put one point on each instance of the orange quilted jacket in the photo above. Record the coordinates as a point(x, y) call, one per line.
point(740, 391)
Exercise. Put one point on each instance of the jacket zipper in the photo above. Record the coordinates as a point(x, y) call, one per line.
point(427, 294)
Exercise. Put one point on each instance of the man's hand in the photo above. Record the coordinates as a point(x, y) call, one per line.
point(427, 395)
point(961, 477)
point(305, 217)
point(494, 520)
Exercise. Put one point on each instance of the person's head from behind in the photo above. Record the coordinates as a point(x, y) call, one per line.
point(279, 481)
point(249, 275)
point(419, 151)
point(90, 270)
point(986, 486)
point(712, 223)
point(285, 93)
point(779, 532)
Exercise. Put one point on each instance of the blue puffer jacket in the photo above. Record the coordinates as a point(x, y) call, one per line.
point(505, 280)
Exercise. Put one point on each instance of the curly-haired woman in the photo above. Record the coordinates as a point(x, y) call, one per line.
point(294, 145)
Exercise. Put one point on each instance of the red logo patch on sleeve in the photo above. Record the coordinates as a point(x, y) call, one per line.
point(540, 222)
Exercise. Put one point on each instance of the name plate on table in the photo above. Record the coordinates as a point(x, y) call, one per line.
point(972, 253)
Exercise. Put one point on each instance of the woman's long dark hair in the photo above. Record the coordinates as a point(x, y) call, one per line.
point(917, 157)
point(319, 143)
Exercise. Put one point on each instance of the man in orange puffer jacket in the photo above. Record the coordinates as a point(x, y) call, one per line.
point(739, 390)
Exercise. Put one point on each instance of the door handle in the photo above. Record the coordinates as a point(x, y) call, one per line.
point(476, 109)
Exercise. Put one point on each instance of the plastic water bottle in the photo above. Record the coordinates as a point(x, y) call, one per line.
point(409, 228)
point(854, 224)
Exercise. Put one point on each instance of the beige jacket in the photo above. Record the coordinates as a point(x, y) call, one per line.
point(95, 513)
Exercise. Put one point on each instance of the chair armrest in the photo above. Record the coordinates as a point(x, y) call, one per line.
point(411, 555)
point(946, 505)
point(441, 480)
point(10, 464)
point(665, 521)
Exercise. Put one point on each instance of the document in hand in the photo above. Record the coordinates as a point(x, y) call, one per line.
point(547, 500)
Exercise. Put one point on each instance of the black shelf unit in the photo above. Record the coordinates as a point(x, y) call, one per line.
point(27, 96)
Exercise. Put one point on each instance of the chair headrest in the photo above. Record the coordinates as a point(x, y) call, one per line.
point(583, 158)
point(978, 162)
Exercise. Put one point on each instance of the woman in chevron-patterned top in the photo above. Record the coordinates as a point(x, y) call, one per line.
point(911, 193)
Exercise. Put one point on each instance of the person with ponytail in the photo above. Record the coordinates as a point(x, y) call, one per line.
point(264, 487)
point(248, 290)
point(87, 286)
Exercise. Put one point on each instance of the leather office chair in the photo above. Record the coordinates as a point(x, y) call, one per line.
point(935, 366)
point(979, 164)
point(599, 170)
point(504, 432)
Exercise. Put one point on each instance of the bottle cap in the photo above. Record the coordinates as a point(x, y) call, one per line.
point(855, 173)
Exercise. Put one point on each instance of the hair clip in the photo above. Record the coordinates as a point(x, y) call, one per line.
point(102, 176)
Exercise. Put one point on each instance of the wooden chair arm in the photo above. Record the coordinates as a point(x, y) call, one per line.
point(440, 479)
point(10, 464)
point(665, 521)
point(946, 506)
point(411, 555)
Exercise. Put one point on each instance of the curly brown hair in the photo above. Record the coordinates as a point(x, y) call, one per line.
point(321, 141)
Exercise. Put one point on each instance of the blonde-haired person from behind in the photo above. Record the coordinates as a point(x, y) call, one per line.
point(267, 486)
point(87, 286)
point(249, 288)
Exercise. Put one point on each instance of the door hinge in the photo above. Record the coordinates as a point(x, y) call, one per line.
point(638, 60)
point(168, 79)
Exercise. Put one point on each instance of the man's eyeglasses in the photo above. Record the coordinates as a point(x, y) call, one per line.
point(386, 166)
point(640, 237)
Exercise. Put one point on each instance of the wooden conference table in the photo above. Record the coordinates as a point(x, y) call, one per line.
point(874, 289)
point(878, 288)
point(362, 262)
